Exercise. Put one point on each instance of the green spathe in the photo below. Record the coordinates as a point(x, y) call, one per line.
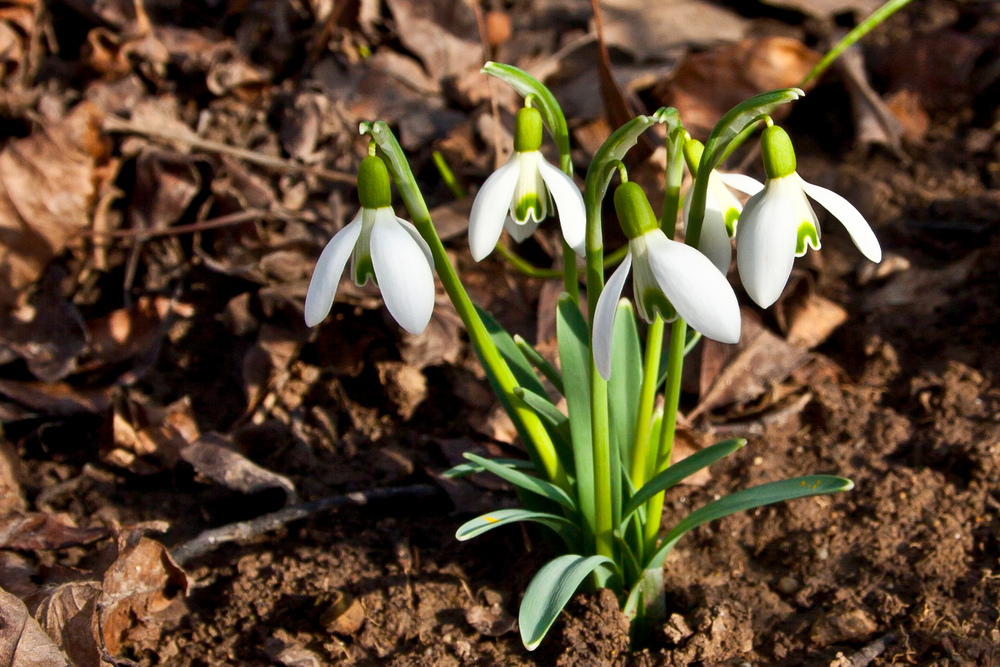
point(373, 183)
point(777, 151)
point(527, 130)
point(634, 212)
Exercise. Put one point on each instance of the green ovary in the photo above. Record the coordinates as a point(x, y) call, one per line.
point(807, 234)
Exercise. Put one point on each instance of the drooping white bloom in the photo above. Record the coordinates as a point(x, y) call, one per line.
point(778, 223)
point(722, 212)
point(524, 192)
point(380, 246)
point(669, 278)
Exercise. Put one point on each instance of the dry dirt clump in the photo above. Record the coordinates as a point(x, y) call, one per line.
point(190, 476)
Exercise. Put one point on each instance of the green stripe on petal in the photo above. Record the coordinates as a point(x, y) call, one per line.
point(732, 215)
point(807, 234)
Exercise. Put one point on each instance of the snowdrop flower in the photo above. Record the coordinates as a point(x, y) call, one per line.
point(521, 193)
point(778, 223)
point(670, 278)
point(722, 208)
point(382, 247)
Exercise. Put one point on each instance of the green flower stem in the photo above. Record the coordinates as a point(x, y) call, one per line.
point(544, 449)
point(675, 368)
point(674, 177)
point(526, 267)
point(571, 277)
point(862, 29)
point(447, 175)
point(647, 399)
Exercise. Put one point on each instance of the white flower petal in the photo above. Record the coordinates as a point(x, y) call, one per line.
point(604, 317)
point(569, 203)
point(520, 231)
point(490, 209)
point(861, 233)
point(329, 268)
point(412, 231)
point(697, 291)
point(766, 239)
point(714, 240)
point(403, 273)
point(741, 182)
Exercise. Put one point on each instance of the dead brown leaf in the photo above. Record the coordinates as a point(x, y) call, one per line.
point(128, 332)
point(166, 183)
point(707, 84)
point(652, 29)
point(68, 614)
point(212, 456)
point(142, 583)
point(492, 621)
point(922, 290)
point(23, 643)
point(806, 318)
point(48, 186)
point(147, 439)
point(405, 385)
point(443, 34)
point(34, 531)
point(743, 372)
point(11, 494)
point(57, 398)
point(17, 25)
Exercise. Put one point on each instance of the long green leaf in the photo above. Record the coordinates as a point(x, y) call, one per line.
point(765, 494)
point(526, 482)
point(680, 471)
point(523, 372)
point(555, 422)
point(463, 469)
point(625, 384)
point(540, 362)
point(574, 357)
point(563, 527)
point(550, 590)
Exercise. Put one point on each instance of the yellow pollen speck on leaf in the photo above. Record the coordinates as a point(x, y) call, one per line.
point(490, 519)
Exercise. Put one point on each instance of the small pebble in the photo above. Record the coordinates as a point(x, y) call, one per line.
point(758, 461)
point(788, 585)
point(823, 554)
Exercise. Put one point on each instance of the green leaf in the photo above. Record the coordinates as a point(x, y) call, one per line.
point(574, 357)
point(550, 590)
point(463, 469)
point(765, 494)
point(523, 372)
point(563, 527)
point(680, 471)
point(526, 482)
point(556, 423)
point(540, 362)
point(625, 384)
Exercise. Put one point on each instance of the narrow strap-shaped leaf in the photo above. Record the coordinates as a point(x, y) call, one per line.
point(481, 524)
point(463, 469)
point(680, 471)
point(625, 383)
point(519, 366)
point(765, 494)
point(574, 356)
point(550, 590)
point(556, 422)
point(540, 362)
point(526, 482)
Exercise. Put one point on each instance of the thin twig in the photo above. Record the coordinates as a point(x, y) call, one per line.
point(113, 124)
point(228, 220)
point(211, 539)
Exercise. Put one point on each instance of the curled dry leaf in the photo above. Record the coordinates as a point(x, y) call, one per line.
point(68, 615)
point(144, 581)
point(166, 183)
point(492, 621)
point(148, 439)
point(57, 399)
point(17, 25)
point(23, 643)
point(11, 494)
point(129, 332)
point(48, 186)
point(211, 456)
